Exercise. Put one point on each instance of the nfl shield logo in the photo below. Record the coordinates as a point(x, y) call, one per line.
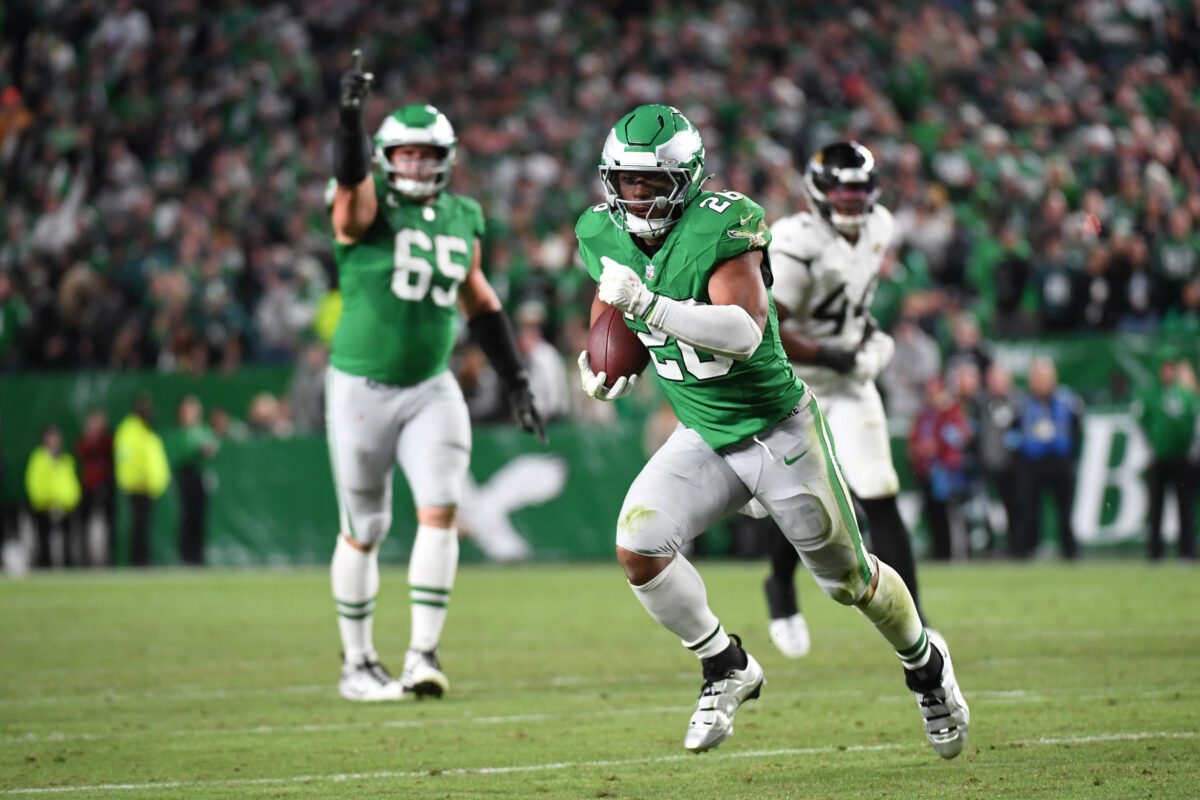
point(649, 272)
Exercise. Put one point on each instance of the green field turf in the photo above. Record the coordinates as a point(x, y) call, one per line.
point(1083, 682)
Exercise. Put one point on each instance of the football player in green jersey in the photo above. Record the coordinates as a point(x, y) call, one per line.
point(408, 257)
point(688, 269)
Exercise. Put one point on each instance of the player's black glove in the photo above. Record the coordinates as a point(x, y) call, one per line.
point(521, 400)
point(836, 358)
point(351, 147)
point(355, 88)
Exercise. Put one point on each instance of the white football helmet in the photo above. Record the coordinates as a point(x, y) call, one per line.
point(416, 124)
point(658, 139)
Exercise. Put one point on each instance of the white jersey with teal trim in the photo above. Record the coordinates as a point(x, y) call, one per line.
point(826, 282)
point(827, 285)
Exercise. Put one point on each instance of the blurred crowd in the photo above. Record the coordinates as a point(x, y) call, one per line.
point(165, 163)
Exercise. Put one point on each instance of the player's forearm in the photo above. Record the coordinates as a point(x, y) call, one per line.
point(726, 330)
point(354, 210)
point(797, 346)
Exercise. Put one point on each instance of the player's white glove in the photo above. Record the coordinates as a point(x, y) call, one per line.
point(873, 356)
point(621, 287)
point(593, 383)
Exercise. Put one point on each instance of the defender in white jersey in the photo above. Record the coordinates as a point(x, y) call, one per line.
point(826, 267)
point(409, 263)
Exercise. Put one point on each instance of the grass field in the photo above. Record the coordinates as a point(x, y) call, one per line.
point(1083, 681)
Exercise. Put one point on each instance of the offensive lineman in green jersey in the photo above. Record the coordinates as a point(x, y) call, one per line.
point(408, 257)
point(688, 269)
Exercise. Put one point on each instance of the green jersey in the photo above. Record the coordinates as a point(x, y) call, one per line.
point(399, 287)
point(723, 400)
point(1168, 416)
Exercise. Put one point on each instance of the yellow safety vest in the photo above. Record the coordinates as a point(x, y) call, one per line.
point(139, 458)
point(51, 481)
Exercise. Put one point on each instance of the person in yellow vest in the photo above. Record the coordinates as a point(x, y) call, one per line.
point(54, 493)
point(142, 473)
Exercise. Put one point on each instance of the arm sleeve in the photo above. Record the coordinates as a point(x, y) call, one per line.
point(721, 330)
point(491, 329)
point(351, 156)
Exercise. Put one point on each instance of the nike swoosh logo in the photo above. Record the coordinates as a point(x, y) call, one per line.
point(790, 461)
point(745, 219)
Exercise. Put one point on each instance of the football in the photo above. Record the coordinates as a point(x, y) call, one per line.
point(614, 349)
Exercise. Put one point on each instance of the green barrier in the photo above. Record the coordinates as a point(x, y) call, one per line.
point(273, 501)
point(29, 402)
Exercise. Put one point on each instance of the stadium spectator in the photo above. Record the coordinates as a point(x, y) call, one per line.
point(410, 261)
point(481, 386)
point(53, 490)
point(188, 447)
point(1177, 252)
point(1048, 426)
point(965, 382)
point(94, 449)
point(1168, 413)
point(739, 436)
point(267, 416)
point(305, 396)
point(1100, 299)
point(1186, 317)
point(142, 474)
point(996, 442)
point(226, 428)
point(547, 373)
point(1142, 291)
point(1059, 286)
point(967, 347)
point(1010, 278)
point(15, 318)
point(937, 447)
point(916, 361)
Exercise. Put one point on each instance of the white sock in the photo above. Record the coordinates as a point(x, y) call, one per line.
point(678, 601)
point(355, 578)
point(431, 569)
point(894, 614)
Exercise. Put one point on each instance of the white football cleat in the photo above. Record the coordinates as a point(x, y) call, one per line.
point(943, 708)
point(368, 681)
point(790, 635)
point(422, 674)
point(712, 722)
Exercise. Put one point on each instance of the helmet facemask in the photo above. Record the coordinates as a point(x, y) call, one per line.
point(638, 216)
point(659, 141)
point(416, 178)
